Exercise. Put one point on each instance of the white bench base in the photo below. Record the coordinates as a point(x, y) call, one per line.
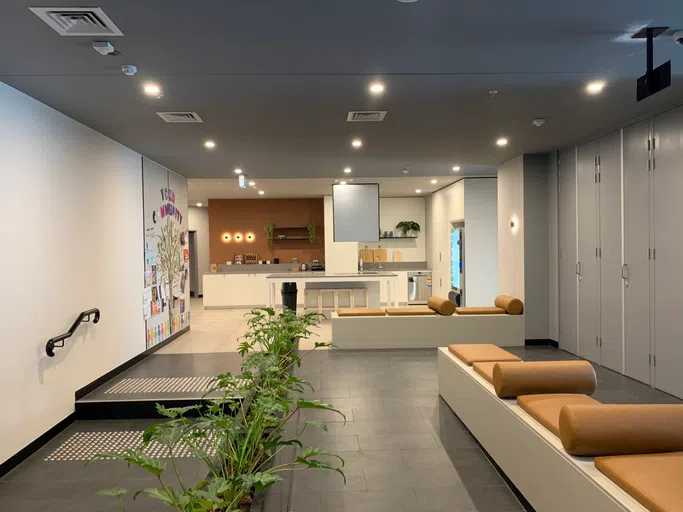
point(426, 331)
point(530, 455)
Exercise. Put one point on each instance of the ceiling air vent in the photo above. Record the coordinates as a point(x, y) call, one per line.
point(180, 117)
point(77, 21)
point(366, 116)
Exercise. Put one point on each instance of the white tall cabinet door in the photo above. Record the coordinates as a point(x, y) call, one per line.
point(587, 235)
point(636, 271)
point(567, 251)
point(668, 261)
point(609, 252)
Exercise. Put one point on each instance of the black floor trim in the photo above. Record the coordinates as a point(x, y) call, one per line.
point(122, 368)
point(541, 343)
point(35, 445)
point(133, 409)
point(522, 500)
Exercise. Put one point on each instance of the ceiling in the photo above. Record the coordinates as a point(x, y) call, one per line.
point(201, 190)
point(273, 80)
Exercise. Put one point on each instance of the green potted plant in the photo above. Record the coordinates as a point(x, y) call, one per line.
point(242, 431)
point(311, 232)
point(270, 229)
point(408, 227)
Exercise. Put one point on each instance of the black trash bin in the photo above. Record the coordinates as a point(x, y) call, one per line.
point(289, 296)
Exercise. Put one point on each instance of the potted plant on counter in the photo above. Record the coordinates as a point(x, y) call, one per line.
point(244, 432)
point(408, 228)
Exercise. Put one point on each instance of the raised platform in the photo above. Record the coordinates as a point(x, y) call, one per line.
point(426, 331)
point(173, 380)
point(531, 457)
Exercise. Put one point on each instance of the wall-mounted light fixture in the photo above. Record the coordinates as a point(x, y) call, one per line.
point(226, 237)
point(238, 237)
point(250, 237)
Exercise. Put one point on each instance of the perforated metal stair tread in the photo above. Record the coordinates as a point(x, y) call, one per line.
point(160, 385)
point(84, 445)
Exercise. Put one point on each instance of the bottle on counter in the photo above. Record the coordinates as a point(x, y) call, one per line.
point(360, 264)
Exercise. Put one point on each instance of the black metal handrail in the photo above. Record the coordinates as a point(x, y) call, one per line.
point(58, 341)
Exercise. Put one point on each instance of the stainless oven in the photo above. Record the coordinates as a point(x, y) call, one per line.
point(419, 287)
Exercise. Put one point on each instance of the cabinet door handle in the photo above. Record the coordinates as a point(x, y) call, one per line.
point(578, 269)
point(625, 274)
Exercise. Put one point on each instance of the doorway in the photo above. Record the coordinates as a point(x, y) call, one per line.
point(194, 269)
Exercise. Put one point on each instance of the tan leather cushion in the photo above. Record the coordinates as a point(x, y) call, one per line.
point(546, 408)
point(654, 480)
point(481, 353)
point(480, 311)
point(360, 312)
point(485, 369)
point(616, 429)
point(442, 306)
point(511, 305)
point(410, 311)
point(544, 377)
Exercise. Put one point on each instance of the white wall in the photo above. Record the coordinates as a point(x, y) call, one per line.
point(339, 256)
point(71, 234)
point(536, 244)
point(198, 221)
point(481, 241)
point(391, 212)
point(511, 241)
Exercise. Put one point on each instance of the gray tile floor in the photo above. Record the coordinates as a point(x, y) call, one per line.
point(405, 450)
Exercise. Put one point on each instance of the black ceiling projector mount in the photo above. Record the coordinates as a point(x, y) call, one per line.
point(654, 79)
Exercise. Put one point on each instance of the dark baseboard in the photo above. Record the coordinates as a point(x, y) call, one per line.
point(35, 445)
point(520, 497)
point(201, 295)
point(541, 343)
point(131, 362)
point(131, 409)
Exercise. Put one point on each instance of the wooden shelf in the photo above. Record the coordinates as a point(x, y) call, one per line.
point(275, 239)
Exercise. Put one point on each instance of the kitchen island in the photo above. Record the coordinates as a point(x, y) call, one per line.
point(371, 280)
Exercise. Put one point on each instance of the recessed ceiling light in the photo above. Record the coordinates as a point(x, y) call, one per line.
point(356, 143)
point(418, 191)
point(261, 192)
point(376, 88)
point(595, 87)
point(252, 183)
point(433, 182)
point(210, 144)
point(152, 90)
point(502, 142)
point(238, 171)
point(199, 204)
point(456, 168)
point(347, 170)
point(342, 183)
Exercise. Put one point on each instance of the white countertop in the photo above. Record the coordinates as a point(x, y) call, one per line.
point(327, 275)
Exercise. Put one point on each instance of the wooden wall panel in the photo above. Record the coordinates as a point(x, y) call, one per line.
point(251, 215)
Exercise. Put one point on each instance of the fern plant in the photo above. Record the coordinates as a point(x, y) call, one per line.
point(270, 230)
point(311, 232)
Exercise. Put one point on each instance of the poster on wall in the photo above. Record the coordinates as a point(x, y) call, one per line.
point(166, 253)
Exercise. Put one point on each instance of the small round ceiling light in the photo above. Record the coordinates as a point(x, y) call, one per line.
point(595, 87)
point(501, 142)
point(199, 204)
point(357, 143)
point(418, 191)
point(238, 171)
point(252, 183)
point(261, 192)
point(377, 88)
point(342, 183)
point(152, 90)
point(226, 237)
point(209, 144)
point(347, 170)
point(433, 182)
point(456, 168)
